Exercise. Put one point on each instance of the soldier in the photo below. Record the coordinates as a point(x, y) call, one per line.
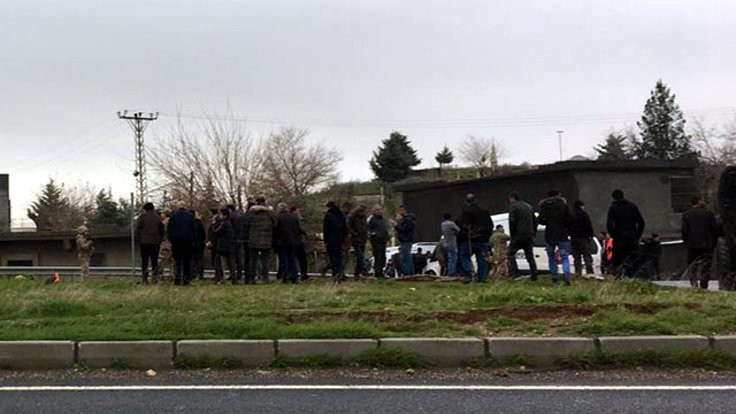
point(499, 243)
point(85, 248)
point(164, 254)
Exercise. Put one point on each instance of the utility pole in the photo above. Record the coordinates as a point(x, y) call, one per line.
point(138, 122)
point(559, 137)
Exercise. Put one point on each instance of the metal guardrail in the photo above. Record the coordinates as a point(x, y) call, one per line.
point(97, 272)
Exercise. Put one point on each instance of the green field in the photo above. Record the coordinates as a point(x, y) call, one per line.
point(120, 309)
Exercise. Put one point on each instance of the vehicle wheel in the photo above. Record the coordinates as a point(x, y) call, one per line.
point(431, 273)
point(721, 267)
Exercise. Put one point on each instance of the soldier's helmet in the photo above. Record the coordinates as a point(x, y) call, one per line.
point(82, 229)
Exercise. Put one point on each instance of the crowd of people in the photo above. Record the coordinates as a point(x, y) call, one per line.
point(242, 243)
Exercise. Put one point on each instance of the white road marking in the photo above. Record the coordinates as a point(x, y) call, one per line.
point(367, 387)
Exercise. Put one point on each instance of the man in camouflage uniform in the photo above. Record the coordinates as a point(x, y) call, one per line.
point(84, 250)
point(499, 243)
point(164, 255)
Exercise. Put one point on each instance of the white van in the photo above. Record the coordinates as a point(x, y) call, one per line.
point(540, 252)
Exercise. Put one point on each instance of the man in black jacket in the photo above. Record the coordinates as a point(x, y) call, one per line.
point(555, 214)
point(182, 231)
point(523, 229)
point(236, 222)
point(700, 232)
point(581, 234)
point(288, 234)
point(477, 223)
point(625, 225)
point(357, 227)
point(301, 248)
point(334, 232)
point(225, 245)
point(149, 232)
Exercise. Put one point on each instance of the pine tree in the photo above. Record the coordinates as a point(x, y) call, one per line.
point(47, 210)
point(394, 158)
point(662, 128)
point(444, 157)
point(614, 148)
point(108, 216)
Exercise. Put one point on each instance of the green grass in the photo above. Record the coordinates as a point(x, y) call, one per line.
point(711, 359)
point(122, 310)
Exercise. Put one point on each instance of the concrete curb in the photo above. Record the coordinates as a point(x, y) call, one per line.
point(251, 353)
point(440, 351)
point(126, 354)
point(541, 351)
point(625, 344)
point(37, 354)
point(341, 348)
point(241, 352)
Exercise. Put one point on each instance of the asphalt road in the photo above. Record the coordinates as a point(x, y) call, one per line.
point(328, 393)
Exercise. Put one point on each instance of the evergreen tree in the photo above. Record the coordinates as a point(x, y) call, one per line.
point(109, 216)
point(444, 157)
point(614, 148)
point(662, 128)
point(47, 210)
point(394, 158)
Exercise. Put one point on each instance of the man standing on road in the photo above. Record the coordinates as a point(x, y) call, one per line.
point(288, 234)
point(236, 222)
point(357, 226)
point(260, 225)
point(225, 245)
point(555, 214)
point(523, 229)
point(85, 248)
point(581, 234)
point(625, 225)
point(149, 231)
point(301, 248)
point(334, 232)
point(500, 249)
point(378, 231)
point(699, 232)
point(182, 232)
point(450, 231)
point(479, 226)
point(405, 233)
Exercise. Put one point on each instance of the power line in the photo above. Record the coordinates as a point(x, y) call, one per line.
point(508, 122)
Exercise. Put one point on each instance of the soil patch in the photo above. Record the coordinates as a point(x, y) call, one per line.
point(472, 316)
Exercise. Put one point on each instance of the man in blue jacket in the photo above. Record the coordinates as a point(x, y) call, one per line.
point(182, 232)
point(405, 233)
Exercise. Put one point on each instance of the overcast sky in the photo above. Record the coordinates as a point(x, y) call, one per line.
point(350, 71)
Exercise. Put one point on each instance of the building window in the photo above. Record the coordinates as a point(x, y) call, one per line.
point(683, 190)
point(16, 263)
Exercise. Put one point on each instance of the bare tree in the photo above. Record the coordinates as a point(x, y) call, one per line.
point(215, 157)
point(481, 153)
point(290, 168)
point(717, 146)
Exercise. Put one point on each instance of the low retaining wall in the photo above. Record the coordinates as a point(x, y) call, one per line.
point(254, 353)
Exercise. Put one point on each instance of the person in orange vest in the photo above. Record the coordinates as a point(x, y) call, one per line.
point(606, 253)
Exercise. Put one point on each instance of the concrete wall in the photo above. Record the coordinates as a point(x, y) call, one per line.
point(429, 202)
point(108, 252)
point(651, 191)
point(4, 203)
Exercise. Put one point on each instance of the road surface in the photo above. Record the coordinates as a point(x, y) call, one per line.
point(325, 393)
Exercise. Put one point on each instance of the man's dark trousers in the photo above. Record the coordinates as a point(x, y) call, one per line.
point(149, 252)
point(379, 256)
point(182, 254)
